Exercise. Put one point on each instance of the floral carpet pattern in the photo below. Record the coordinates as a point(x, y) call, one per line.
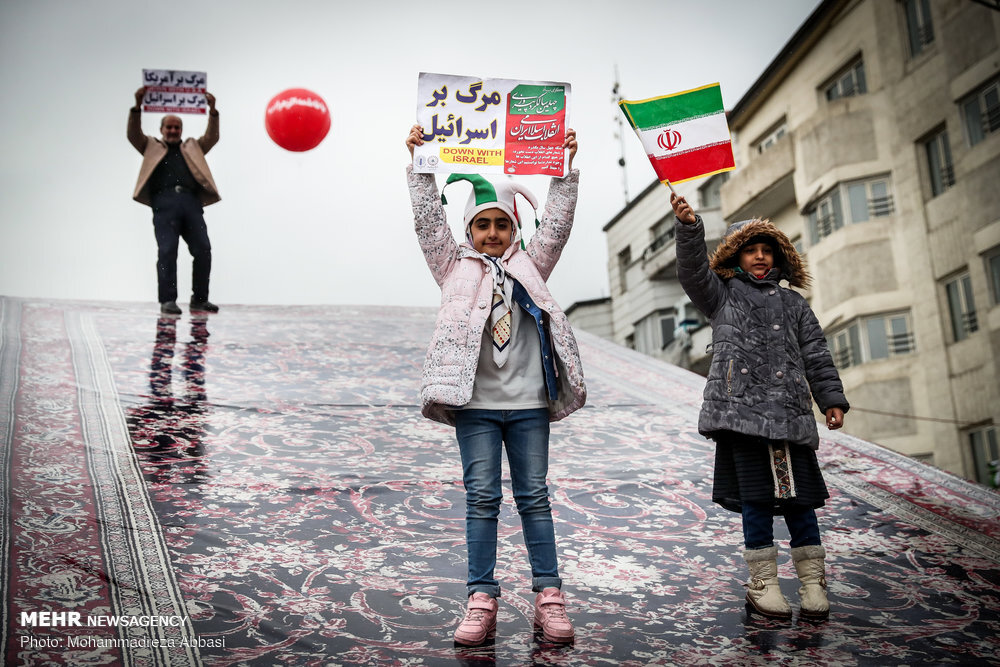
point(263, 476)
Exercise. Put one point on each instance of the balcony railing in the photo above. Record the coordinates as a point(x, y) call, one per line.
point(880, 206)
point(828, 225)
point(991, 119)
point(925, 35)
point(970, 323)
point(901, 343)
point(843, 358)
point(660, 241)
point(655, 264)
point(947, 172)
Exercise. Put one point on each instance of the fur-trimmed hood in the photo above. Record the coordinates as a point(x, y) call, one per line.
point(725, 259)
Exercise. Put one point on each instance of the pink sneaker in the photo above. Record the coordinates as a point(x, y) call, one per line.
point(480, 621)
point(550, 616)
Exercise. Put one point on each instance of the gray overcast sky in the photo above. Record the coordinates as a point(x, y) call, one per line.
point(332, 225)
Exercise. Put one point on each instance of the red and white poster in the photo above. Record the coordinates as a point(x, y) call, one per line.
point(174, 91)
point(491, 126)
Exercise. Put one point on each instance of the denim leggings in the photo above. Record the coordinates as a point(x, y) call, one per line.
point(482, 435)
point(758, 525)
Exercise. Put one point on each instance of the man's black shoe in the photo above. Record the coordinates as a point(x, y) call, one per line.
point(204, 307)
point(170, 308)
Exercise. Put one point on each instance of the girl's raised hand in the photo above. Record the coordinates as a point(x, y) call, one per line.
point(682, 209)
point(415, 138)
point(570, 143)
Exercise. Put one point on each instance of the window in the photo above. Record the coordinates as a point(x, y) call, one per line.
point(667, 327)
point(985, 455)
point(962, 307)
point(624, 259)
point(655, 331)
point(918, 25)
point(799, 246)
point(772, 136)
point(872, 338)
point(982, 112)
point(849, 82)
point(826, 217)
point(869, 199)
point(710, 194)
point(662, 232)
point(846, 347)
point(993, 274)
point(889, 336)
point(939, 164)
point(866, 199)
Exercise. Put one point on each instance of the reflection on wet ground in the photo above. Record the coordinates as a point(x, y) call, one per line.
point(167, 430)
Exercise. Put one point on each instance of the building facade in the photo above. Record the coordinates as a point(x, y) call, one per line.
point(593, 315)
point(873, 141)
point(649, 310)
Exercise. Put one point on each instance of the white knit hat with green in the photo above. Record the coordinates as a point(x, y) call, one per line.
point(486, 195)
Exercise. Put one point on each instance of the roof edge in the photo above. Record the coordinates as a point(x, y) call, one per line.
point(807, 33)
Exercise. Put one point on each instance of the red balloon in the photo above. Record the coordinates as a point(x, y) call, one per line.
point(297, 119)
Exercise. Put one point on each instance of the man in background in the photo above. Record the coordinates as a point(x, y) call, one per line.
point(175, 181)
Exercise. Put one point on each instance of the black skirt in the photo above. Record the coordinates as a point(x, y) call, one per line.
point(762, 471)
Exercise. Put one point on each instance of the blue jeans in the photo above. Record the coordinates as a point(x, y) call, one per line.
point(758, 526)
point(481, 435)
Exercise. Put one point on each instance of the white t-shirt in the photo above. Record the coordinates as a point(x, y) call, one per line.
point(520, 384)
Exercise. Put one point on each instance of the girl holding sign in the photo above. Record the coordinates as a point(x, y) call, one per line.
point(502, 364)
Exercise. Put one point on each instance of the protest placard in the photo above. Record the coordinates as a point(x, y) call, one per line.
point(491, 126)
point(174, 91)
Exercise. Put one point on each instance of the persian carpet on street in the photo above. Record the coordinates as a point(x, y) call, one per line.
point(258, 487)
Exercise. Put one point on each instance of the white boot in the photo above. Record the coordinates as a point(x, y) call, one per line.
point(763, 592)
point(810, 566)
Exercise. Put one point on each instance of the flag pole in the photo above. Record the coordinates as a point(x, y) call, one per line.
point(667, 181)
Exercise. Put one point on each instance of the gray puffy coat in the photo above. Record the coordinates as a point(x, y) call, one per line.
point(768, 349)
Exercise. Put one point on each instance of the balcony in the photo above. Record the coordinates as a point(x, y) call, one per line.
point(840, 134)
point(700, 358)
point(659, 258)
point(765, 173)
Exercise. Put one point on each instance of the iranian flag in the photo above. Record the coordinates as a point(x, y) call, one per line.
point(685, 134)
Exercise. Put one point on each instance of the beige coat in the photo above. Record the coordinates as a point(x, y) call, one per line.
point(153, 150)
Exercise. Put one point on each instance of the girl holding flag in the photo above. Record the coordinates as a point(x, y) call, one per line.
point(502, 363)
point(768, 354)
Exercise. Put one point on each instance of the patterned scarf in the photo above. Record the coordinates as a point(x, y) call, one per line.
point(500, 316)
